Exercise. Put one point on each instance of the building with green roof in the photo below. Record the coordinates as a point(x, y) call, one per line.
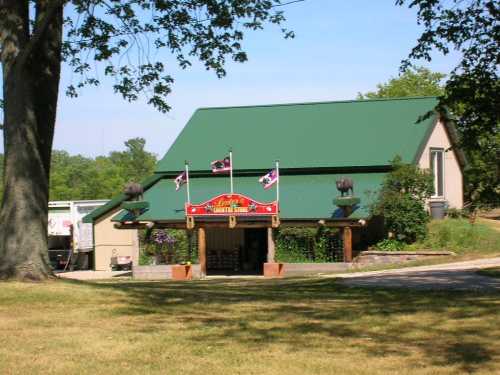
point(316, 145)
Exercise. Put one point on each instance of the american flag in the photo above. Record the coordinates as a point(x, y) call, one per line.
point(180, 180)
point(221, 166)
point(269, 179)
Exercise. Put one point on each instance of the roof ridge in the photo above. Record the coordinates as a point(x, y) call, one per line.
point(323, 102)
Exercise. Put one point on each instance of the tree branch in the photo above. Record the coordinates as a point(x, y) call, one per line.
point(39, 30)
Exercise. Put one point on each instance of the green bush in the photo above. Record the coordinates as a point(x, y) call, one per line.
point(390, 245)
point(405, 217)
point(145, 259)
point(307, 245)
point(401, 201)
point(455, 213)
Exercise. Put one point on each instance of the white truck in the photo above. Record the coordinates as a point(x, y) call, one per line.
point(71, 241)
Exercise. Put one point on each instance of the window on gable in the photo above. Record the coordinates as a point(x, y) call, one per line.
point(437, 167)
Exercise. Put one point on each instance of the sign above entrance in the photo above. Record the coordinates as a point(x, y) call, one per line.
point(232, 205)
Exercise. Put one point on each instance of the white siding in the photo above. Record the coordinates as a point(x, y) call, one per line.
point(453, 180)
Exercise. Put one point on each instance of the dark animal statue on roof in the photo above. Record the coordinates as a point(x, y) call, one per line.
point(133, 191)
point(344, 185)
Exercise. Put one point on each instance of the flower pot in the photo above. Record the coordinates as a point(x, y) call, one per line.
point(274, 269)
point(182, 272)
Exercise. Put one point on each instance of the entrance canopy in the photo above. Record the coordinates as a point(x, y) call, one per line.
point(302, 197)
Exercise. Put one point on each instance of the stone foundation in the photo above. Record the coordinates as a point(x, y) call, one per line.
point(303, 269)
point(385, 257)
point(160, 272)
point(164, 272)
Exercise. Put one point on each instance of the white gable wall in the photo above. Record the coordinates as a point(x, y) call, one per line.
point(453, 179)
point(110, 241)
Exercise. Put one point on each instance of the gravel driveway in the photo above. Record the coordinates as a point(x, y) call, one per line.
point(456, 276)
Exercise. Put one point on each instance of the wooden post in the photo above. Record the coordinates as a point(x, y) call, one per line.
point(347, 244)
point(270, 246)
point(135, 247)
point(189, 235)
point(202, 251)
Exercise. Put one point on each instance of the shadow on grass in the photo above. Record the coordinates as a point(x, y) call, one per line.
point(449, 328)
point(493, 272)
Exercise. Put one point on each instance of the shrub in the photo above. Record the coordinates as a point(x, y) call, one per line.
point(455, 213)
point(409, 179)
point(401, 202)
point(145, 259)
point(390, 245)
point(405, 217)
point(307, 245)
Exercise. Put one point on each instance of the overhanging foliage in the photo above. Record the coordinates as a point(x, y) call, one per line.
point(121, 35)
point(472, 91)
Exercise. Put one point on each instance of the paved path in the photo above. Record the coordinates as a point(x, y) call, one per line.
point(456, 276)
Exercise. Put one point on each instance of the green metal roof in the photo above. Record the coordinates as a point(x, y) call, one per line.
point(308, 135)
point(301, 196)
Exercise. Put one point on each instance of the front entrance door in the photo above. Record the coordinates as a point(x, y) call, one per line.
point(236, 251)
point(255, 250)
point(224, 247)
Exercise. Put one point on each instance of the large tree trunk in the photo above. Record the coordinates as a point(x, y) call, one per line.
point(31, 74)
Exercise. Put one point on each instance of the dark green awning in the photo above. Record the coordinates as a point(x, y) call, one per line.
point(308, 197)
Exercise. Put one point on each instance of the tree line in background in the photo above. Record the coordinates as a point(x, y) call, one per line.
point(76, 177)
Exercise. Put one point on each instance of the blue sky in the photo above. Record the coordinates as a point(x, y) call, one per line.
point(341, 48)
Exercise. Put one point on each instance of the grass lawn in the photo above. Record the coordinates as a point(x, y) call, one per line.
point(290, 326)
point(465, 239)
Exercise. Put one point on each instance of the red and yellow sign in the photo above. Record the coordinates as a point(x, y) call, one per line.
point(232, 205)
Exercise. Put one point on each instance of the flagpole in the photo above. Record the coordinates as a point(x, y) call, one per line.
point(187, 182)
point(278, 181)
point(231, 169)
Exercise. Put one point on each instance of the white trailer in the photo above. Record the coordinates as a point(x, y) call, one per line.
point(70, 240)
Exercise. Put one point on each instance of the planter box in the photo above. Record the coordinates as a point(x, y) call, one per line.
point(182, 272)
point(274, 269)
